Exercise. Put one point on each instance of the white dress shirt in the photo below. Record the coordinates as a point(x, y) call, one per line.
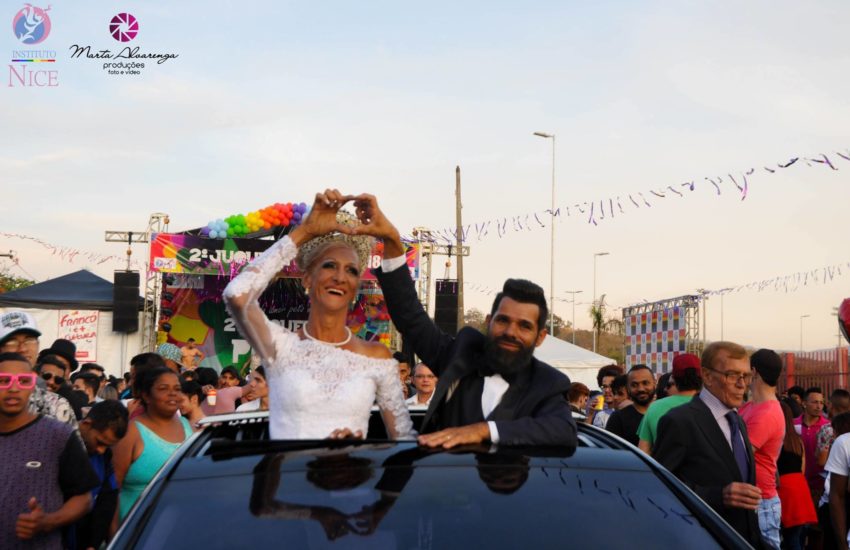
point(494, 386)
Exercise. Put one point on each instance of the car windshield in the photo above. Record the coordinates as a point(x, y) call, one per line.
point(401, 497)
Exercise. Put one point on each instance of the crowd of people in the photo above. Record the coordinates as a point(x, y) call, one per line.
point(775, 466)
point(82, 446)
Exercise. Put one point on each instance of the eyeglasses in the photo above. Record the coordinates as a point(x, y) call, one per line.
point(605, 387)
point(425, 376)
point(59, 380)
point(734, 377)
point(23, 381)
point(13, 344)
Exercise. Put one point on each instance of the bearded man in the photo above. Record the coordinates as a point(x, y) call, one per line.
point(491, 388)
point(640, 383)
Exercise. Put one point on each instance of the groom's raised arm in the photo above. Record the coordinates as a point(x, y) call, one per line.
point(408, 315)
point(429, 342)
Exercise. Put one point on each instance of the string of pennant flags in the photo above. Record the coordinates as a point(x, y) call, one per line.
point(789, 283)
point(781, 283)
point(596, 211)
point(69, 254)
point(593, 212)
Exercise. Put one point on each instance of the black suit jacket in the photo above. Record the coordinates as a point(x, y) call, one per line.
point(691, 445)
point(533, 411)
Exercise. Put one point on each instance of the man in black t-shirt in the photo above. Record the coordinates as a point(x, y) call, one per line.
point(46, 472)
point(641, 388)
point(101, 429)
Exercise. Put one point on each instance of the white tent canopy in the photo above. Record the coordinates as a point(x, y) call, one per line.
point(579, 364)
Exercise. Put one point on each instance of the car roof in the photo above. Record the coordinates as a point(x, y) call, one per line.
point(232, 459)
point(231, 443)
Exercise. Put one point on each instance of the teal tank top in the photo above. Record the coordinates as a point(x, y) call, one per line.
point(156, 452)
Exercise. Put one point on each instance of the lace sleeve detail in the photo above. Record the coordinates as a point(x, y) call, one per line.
point(391, 401)
point(242, 294)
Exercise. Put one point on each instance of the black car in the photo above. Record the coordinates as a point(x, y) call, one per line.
point(232, 487)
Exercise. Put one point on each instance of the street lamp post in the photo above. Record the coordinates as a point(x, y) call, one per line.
point(801, 330)
point(573, 292)
point(551, 240)
point(595, 255)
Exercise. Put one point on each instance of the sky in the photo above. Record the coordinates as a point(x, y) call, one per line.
point(273, 101)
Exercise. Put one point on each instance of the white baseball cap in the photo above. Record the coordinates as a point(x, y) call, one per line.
point(14, 322)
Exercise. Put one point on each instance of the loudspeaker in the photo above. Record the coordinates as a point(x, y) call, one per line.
point(445, 307)
point(125, 302)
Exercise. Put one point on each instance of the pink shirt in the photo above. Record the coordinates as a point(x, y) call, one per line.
point(225, 401)
point(766, 427)
point(809, 434)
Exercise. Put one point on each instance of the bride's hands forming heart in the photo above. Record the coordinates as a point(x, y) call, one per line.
point(322, 217)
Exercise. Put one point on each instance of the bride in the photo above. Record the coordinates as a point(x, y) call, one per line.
point(322, 380)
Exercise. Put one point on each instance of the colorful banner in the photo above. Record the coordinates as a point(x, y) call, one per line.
point(190, 254)
point(198, 312)
point(80, 327)
point(655, 338)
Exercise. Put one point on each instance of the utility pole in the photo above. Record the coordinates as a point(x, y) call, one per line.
point(459, 250)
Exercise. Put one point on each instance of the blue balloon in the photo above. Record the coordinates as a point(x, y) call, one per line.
point(213, 234)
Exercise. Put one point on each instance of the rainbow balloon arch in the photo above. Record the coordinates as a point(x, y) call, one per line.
point(277, 215)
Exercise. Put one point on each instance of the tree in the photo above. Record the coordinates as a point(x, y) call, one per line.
point(561, 327)
point(601, 323)
point(597, 317)
point(475, 318)
point(10, 282)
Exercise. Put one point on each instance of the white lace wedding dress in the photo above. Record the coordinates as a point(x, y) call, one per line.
point(314, 388)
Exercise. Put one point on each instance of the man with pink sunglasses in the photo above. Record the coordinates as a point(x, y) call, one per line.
point(48, 477)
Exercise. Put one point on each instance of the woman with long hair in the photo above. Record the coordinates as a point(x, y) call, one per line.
point(258, 392)
point(794, 495)
point(152, 437)
point(322, 379)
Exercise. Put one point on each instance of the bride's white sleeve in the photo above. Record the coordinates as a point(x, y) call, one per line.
point(391, 402)
point(241, 296)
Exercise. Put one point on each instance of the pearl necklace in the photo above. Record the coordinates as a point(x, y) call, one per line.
point(334, 344)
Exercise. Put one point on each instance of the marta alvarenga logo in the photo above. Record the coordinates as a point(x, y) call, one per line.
point(123, 27)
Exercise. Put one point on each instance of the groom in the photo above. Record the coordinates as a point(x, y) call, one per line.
point(490, 388)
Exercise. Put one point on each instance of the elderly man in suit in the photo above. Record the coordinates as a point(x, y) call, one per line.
point(490, 387)
point(705, 443)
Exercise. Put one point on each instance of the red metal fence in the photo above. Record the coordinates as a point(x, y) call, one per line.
point(824, 368)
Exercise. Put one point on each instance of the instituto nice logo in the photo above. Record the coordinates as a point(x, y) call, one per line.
point(124, 27)
point(31, 24)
